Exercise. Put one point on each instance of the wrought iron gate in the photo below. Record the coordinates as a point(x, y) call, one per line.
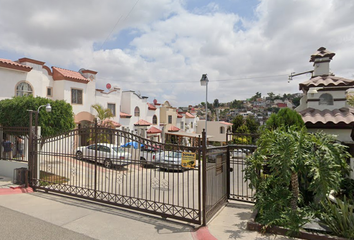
point(215, 188)
point(121, 168)
point(124, 169)
point(240, 146)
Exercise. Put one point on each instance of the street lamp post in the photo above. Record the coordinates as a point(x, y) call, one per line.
point(33, 140)
point(204, 82)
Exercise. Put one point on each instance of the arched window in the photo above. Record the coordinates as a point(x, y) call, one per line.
point(137, 112)
point(222, 130)
point(326, 99)
point(154, 119)
point(23, 89)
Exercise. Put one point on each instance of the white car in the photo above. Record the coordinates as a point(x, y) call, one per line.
point(107, 154)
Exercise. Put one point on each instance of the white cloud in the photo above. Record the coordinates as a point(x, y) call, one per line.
point(172, 46)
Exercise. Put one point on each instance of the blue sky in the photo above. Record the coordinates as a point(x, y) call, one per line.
point(161, 48)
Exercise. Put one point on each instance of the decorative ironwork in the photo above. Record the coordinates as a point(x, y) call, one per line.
point(122, 169)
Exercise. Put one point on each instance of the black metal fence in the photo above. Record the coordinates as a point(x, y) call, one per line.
point(241, 145)
point(123, 169)
point(14, 143)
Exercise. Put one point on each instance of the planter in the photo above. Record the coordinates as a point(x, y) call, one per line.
point(252, 225)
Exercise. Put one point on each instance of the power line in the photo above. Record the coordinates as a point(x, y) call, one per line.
point(118, 22)
point(213, 80)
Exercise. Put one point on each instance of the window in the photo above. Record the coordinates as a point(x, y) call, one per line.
point(137, 112)
point(191, 124)
point(76, 96)
point(182, 125)
point(326, 99)
point(154, 119)
point(222, 130)
point(169, 119)
point(49, 92)
point(112, 107)
point(23, 89)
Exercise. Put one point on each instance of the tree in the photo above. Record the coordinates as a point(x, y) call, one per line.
point(257, 95)
point(252, 124)
point(216, 103)
point(102, 114)
point(298, 163)
point(236, 104)
point(13, 113)
point(237, 122)
point(271, 95)
point(286, 117)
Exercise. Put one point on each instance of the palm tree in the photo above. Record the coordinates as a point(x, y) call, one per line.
point(103, 114)
point(293, 157)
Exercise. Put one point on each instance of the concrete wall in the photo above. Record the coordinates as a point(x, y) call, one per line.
point(7, 167)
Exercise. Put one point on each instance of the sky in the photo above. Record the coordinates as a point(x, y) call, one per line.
point(161, 48)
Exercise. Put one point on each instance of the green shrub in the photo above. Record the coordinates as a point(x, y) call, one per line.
point(339, 217)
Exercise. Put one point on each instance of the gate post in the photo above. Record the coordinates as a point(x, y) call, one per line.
point(204, 150)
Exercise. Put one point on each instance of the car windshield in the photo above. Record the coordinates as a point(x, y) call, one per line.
point(174, 154)
point(117, 149)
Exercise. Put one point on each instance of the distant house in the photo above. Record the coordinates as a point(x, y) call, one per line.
point(216, 130)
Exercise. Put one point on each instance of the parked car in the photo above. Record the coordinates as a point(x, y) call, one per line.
point(169, 160)
point(107, 154)
point(239, 153)
point(148, 156)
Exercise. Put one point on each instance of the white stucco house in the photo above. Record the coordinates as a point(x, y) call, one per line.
point(28, 76)
point(324, 106)
point(216, 130)
point(139, 116)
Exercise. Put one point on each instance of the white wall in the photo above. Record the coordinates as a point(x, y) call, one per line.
point(7, 167)
point(342, 134)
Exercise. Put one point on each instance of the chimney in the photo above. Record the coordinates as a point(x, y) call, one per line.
point(321, 59)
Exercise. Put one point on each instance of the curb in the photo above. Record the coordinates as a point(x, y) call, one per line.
point(203, 234)
point(15, 190)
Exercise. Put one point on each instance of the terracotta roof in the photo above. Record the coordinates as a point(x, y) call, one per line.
point(64, 74)
point(179, 115)
point(115, 124)
point(154, 130)
point(321, 53)
point(325, 81)
point(142, 122)
point(282, 105)
point(344, 115)
point(188, 115)
point(226, 123)
point(173, 129)
point(125, 115)
point(14, 65)
point(151, 107)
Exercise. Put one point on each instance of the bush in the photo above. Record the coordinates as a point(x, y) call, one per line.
point(339, 217)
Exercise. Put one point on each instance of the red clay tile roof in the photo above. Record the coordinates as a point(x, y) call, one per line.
point(342, 115)
point(151, 107)
point(188, 115)
point(325, 81)
point(64, 74)
point(173, 129)
point(5, 63)
point(154, 130)
point(142, 122)
point(115, 124)
point(179, 115)
point(282, 105)
point(321, 53)
point(125, 115)
point(226, 123)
